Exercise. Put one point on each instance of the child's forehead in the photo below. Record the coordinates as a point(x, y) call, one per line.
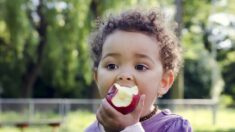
point(121, 32)
point(121, 38)
point(131, 43)
point(130, 33)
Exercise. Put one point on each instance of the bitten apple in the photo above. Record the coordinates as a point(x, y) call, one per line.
point(123, 99)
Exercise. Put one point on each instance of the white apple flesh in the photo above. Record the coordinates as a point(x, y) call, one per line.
point(123, 99)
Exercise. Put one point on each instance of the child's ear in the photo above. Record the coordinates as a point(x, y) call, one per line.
point(166, 82)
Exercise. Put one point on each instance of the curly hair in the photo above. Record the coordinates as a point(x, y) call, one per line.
point(150, 23)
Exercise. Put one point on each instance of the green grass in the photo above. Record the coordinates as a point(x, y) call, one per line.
point(78, 121)
point(201, 120)
point(17, 116)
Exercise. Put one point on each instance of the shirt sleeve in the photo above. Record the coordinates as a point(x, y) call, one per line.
point(134, 128)
point(178, 125)
point(94, 127)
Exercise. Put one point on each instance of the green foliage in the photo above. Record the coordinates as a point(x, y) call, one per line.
point(197, 70)
point(227, 62)
point(196, 12)
point(66, 52)
point(225, 57)
point(14, 32)
point(198, 82)
point(225, 101)
point(43, 45)
point(64, 66)
point(202, 70)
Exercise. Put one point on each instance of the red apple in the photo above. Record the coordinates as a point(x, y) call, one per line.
point(123, 99)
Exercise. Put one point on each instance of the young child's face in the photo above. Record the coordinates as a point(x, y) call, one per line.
point(131, 58)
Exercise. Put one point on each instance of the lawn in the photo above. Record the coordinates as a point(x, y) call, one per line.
point(201, 120)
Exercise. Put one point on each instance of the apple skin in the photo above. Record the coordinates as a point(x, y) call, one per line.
point(124, 110)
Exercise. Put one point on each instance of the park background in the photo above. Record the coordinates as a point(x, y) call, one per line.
point(44, 55)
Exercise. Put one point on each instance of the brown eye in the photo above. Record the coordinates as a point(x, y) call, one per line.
point(111, 66)
point(141, 67)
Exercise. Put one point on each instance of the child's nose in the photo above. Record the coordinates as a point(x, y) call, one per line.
point(124, 77)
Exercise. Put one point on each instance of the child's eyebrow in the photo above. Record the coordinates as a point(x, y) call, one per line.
point(144, 56)
point(138, 55)
point(110, 55)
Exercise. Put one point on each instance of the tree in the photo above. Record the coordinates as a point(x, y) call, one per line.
point(196, 39)
point(221, 39)
point(44, 41)
point(178, 87)
point(43, 46)
point(44, 50)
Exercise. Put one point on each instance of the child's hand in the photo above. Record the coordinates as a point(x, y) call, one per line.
point(114, 121)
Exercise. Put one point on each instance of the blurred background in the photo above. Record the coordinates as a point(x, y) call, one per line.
point(45, 72)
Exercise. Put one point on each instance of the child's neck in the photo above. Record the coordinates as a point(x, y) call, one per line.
point(153, 111)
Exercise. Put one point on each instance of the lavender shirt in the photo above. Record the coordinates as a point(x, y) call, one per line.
point(162, 122)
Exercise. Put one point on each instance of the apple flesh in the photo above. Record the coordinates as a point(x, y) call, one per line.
point(123, 99)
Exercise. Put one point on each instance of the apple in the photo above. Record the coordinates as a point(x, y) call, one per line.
point(123, 99)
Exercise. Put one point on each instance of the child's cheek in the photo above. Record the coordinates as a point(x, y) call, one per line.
point(103, 91)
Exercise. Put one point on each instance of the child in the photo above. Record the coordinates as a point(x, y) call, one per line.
point(136, 48)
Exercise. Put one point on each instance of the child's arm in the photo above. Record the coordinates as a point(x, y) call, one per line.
point(134, 128)
point(113, 121)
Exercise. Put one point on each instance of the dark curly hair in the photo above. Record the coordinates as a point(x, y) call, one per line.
point(150, 23)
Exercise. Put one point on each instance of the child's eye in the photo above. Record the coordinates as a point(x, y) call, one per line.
point(111, 66)
point(141, 67)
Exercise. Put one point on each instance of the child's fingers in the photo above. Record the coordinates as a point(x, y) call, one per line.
point(103, 114)
point(109, 110)
point(99, 115)
point(140, 106)
point(108, 116)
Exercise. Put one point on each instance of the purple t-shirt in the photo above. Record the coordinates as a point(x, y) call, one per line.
point(165, 121)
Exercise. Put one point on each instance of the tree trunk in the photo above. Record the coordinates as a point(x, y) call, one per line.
point(178, 87)
point(33, 68)
point(94, 8)
point(95, 13)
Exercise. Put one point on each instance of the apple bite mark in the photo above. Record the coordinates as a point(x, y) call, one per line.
point(123, 99)
point(124, 95)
